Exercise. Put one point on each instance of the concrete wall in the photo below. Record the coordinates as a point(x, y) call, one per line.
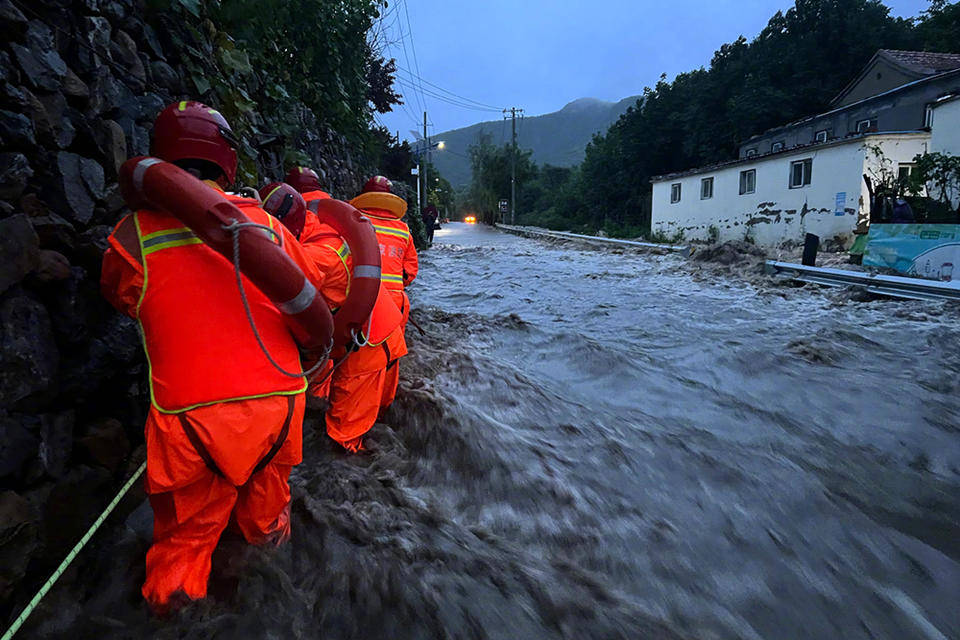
point(945, 136)
point(902, 111)
point(775, 213)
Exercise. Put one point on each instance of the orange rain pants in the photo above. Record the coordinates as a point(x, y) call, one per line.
point(192, 505)
point(360, 387)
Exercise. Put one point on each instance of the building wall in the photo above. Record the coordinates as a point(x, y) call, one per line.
point(880, 77)
point(945, 133)
point(945, 136)
point(902, 111)
point(775, 213)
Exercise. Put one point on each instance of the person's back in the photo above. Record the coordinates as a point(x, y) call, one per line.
point(189, 304)
point(224, 426)
point(399, 262)
point(355, 388)
point(429, 217)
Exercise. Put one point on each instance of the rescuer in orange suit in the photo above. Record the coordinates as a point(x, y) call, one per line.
point(224, 427)
point(356, 389)
point(398, 257)
point(327, 250)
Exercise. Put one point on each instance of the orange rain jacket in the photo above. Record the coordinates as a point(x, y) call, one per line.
point(399, 262)
point(356, 388)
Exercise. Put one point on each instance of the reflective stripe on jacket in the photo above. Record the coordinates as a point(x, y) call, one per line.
point(396, 245)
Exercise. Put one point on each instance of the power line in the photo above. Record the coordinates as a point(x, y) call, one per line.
point(453, 102)
point(413, 47)
point(403, 43)
point(447, 91)
point(449, 100)
point(406, 105)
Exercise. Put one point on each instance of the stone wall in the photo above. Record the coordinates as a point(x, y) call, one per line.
point(80, 84)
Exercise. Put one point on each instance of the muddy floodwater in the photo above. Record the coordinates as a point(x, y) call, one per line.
point(590, 444)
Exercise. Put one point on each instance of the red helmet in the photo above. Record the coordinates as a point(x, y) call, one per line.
point(378, 184)
point(193, 131)
point(285, 204)
point(303, 179)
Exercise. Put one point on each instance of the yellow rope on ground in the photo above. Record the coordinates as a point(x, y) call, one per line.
point(70, 556)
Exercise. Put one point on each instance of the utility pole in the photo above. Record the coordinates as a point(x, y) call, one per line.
point(426, 150)
point(513, 163)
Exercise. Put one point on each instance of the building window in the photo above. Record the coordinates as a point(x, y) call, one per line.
point(822, 135)
point(904, 171)
point(750, 153)
point(748, 181)
point(706, 188)
point(928, 117)
point(864, 126)
point(776, 146)
point(800, 172)
point(675, 193)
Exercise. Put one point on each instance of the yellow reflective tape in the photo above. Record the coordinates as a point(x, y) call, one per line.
point(164, 232)
point(273, 191)
point(380, 227)
point(390, 278)
point(170, 245)
point(292, 392)
point(276, 238)
point(343, 251)
point(183, 106)
point(392, 232)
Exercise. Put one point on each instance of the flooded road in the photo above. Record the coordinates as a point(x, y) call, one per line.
point(598, 445)
point(743, 463)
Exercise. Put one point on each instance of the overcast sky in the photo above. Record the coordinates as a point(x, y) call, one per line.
point(540, 54)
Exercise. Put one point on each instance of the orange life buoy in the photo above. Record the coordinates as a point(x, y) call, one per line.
point(151, 183)
point(354, 317)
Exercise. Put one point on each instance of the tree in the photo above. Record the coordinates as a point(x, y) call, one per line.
point(491, 176)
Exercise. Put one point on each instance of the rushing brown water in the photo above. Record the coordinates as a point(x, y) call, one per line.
point(591, 445)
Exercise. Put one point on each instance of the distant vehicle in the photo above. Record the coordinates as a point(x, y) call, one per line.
point(470, 220)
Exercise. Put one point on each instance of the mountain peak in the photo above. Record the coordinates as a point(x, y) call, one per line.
point(585, 103)
point(557, 138)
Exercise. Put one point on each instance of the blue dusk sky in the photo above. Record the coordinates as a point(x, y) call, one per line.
point(541, 55)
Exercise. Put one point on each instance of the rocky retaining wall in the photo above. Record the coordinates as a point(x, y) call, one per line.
point(80, 84)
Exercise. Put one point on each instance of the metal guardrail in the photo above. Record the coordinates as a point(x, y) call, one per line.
point(683, 250)
point(896, 286)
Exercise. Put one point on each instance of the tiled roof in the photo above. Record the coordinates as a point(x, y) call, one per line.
point(924, 62)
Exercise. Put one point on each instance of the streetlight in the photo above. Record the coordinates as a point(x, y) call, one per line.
point(418, 152)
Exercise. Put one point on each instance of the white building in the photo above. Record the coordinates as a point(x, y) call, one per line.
point(807, 176)
point(817, 188)
point(945, 134)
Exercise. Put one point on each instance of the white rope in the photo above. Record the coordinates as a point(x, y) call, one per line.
point(235, 227)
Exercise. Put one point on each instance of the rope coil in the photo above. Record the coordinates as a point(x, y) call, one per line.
point(234, 228)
